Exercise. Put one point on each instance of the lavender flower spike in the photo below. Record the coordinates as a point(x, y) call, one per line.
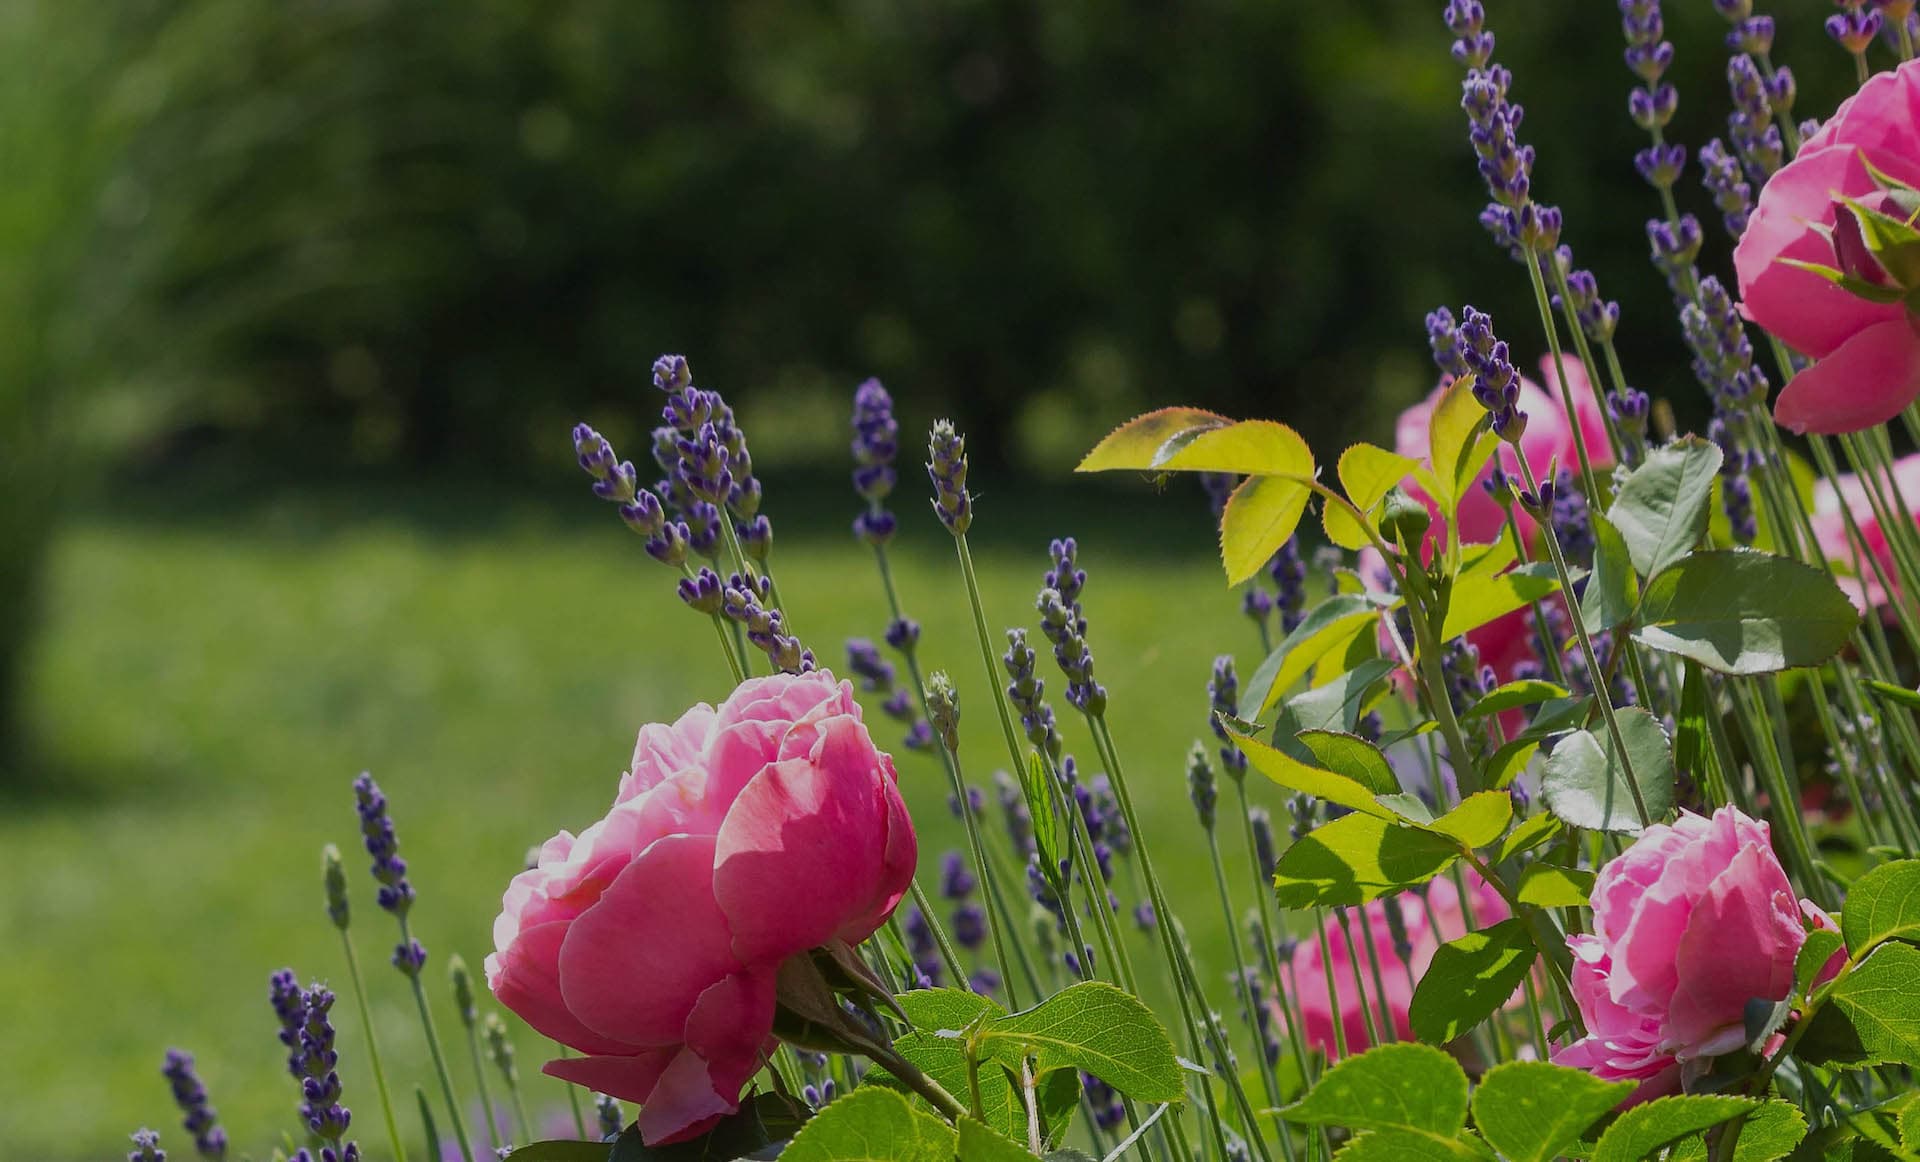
point(876, 441)
point(191, 1097)
point(376, 827)
point(947, 468)
point(291, 1010)
point(146, 1147)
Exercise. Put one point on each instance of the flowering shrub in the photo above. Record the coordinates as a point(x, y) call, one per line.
point(1550, 887)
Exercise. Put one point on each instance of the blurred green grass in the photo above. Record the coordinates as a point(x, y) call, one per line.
point(218, 664)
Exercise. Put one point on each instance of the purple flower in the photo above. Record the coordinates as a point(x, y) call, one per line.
point(191, 1097)
point(146, 1147)
point(947, 469)
point(376, 829)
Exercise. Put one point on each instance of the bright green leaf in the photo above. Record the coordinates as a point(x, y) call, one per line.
point(1478, 820)
point(1049, 835)
point(1260, 515)
point(1469, 979)
point(1661, 509)
point(980, 1144)
point(934, 1012)
point(1479, 599)
point(1872, 1016)
point(1457, 444)
point(871, 1124)
point(1145, 442)
point(1531, 1110)
point(1357, 858)
point(1404, 1086)
point(1742, 612)
point(1248, 448)
point(1612, 589)
point(1883, 905)
point(1531, 833)
point(1768, 1134)
point(1587, 785)
point(1898, 695)
point(1645, 1129)
point(1513, 695)
point(1414, 1146)
point(1819, 948)
point(1295, 775)
point(1366, 473)
point(1354, 757)
point(1507, 762)
point(1311, 640)
point(1547, 885)
point(1095, 1027)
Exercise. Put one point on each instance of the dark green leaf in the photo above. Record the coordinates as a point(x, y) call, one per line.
point(1661, 508)
point(1334, 706)
point(1357, 858)
point(1354, 757)
point(1531, 1110)
point(1586, 783)
point(1821, 944)
point(1048, 836)
point(1872, 1016)
point(1469, 979)
point(1531, 833)
point(1768, 1134)
point(1742, 612)
point(1546, 885)
point(1513, 695)
point(980, 1144)
point(1406, 1086)
point(1690, 750)
point(1414, 1146)
point(1094, 1027)
point(1507, 762)
point(871, 1124)
point(1645, 1129)
point(1882, 905)
point(1612, 589)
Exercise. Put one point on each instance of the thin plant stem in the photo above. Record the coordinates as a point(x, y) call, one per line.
point(1267, 1077)
point(1359, 979)
point(948, 955)
point(373, 1046)
point(433, 1048)
point(573, 1101)
point(480, 1082)
point(1588, 482)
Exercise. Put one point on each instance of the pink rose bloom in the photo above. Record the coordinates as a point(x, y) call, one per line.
point(1689, 924)
point(1505, 643)
point(1830, 528)
point(1867, 354)
point(1309, 973)
point(740, 836)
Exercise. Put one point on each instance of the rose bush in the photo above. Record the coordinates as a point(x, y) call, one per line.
point(1867, 354)
point(1689, 924)
point(740, 836)
point(1833, 501)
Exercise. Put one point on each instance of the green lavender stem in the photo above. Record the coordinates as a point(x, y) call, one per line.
point(433, 1048)
point(373, 1047)
point(480, 1081)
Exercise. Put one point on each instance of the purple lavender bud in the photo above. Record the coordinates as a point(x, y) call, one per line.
point(1750, 126)
point(956, 882)
point(703, 466)
point(1462, 672)
point(703, 528)
point(875, 528)
point(1520, 798)
point(1854, 29)
point(919, 737)
point(1651, 110)
point(1218, 486)
point(1013, 807)
point(1265, 855)
point(1026, 692)
point(876, 441)
point(291, 1010)
point(1289, 573)
point(1257, 606)
point(1781, 91)
point(671, 373)
point(1598, 318)
point(1223, 698)
point(985, 982)
point(1443, 338)
point(1109, 1111)
point(702, 591)
point(947, 469)
point(1570, 520)
point(1752, 35)
point(1496, 384)
point(1629, 410)
point(1202, 792)
point(1143, 917)
point(376, 829)
point(1661, 165)
point(409, 956)
point(898, 706)
point(191, 1097)
point(1734, 10)
point(1066, 576)
point(756, 537)
point(1067, 632)
point(1675, 245)
point(1539, 227)
point(1721, 174)
point(742, 600)
point(903, 633)
point(324, 1114)
point(595, 454)
point(1371, 726)
point(864, 662)
point(1498, 484)
point(146, 1147)
point(976, 802)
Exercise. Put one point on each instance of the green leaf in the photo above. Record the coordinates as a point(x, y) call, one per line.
point(1531, 1110)
point(1334, 706)
point(1366, 473)
point(1690, 750)
point(761, 1124)
point(980, 1144)
point(1513, 695)
point(1898, 695)
point(1768, 1134)
point(1872, 1016)
point(1324, 628)
point(1507, 762)
point(1612, 589)
point(1295, 775)
point(1645, 1129)
point(1414, 1146)
point(1478, 820)
point(1546, 885)
point(1661, 509)
point(1048, 834)
point(1479, 599)
point(1091, 1026)
point(1146, 442)
point(871, 1124)
point(1248, 448)
point(1405, 1086)
point(1260, 515)
point(1357, 858)
point(1910, 1128)
point(1586, 780)
point(561, 1151)
point(1742, 612)
point(1354, 757)
point(1531, 833)
point(1469, 979)
point(1457, 443)
point(1882, 905)
point(935, 1012)
point(1821, 944)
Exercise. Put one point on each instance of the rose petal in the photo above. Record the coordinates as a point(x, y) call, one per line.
point(1868, 380)
point(627, 1078)
point(1739, 945)
point(526, 979)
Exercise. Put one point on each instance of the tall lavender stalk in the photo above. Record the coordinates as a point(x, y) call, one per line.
point(340, 914)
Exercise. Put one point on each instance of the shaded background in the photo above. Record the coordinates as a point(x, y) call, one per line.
point(298, 300)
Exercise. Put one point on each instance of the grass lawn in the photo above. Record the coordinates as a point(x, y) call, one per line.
point(217, 665)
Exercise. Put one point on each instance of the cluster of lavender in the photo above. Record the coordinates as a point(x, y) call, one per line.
point(306, 1030)
point(1065, 625)
point(389, 870)
point(877, 676)
point(197, 1113)
point(876, 441)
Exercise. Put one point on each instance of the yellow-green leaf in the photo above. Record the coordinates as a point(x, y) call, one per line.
point(1456, 446)
point(1366, 473)
point(1478, 598)
point(1478, 820)
point(1295, 775)
point(1260, 515)
point(1248, 448)
point(1144, 442)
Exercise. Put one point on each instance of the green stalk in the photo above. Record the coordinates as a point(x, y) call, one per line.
point(373, 1047)
point(948, 955)
point(480, 1081)
point(1267, 1077)
point(1374, 1036)
point(433, 1048)
point(1588, 482)
point(573, 1100)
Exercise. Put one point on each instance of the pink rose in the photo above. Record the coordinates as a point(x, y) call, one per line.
point(1689, 924)
point(1830, 528)
point(1867, 354)
point(1309, 975)
point(740, 836)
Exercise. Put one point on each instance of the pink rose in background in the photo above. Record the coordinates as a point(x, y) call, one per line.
point(1830, 528)
point(1867, 354)
point(1689, 924)
point(1309, 975)
point(740, 836)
